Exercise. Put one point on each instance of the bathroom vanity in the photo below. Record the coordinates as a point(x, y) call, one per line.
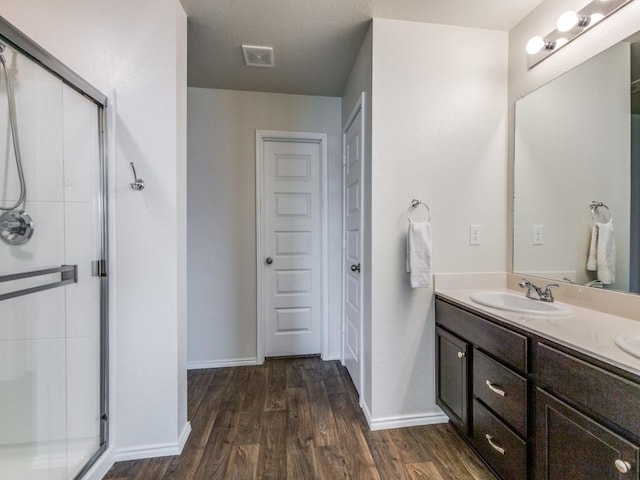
point(539, 398)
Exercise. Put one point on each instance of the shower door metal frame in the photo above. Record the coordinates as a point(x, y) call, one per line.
point(23, 44)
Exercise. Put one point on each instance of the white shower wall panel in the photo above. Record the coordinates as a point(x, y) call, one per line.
point(32, 391)
point(81, 248)
point(81, 150)
point(83, 400)
point(46, 247)
point(32, 317)
point(38, 97)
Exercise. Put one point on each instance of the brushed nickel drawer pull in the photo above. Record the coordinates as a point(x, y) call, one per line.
point(498, 449)
point(461, 355)
point(502, 393)
point(622, 466)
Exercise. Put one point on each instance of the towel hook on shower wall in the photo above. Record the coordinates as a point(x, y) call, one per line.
point(138, 183)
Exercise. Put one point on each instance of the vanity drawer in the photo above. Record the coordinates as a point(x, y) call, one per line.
point(508, 346)
point(596, 390)
point(501, 389)
point(498, 445)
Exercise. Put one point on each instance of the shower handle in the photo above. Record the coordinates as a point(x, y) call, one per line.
point(10, 226)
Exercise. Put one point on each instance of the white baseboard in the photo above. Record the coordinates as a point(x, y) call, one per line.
point(365, 410)
point(184, 436)
point(332, 356)
point(401, 421)
point(100, 468)
point(158, 450)
point(232, 362)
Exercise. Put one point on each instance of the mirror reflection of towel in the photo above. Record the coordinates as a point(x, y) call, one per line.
point(602, 252)
point(419, 254)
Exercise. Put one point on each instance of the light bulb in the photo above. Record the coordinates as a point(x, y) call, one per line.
point(596, 17)
point(535, 44)
point(561, 42)
point(567, 21)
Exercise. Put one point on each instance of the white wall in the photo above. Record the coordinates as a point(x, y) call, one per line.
point(572, 144)
point(181, 210)
point(136, 50)
point(360, 80)
point(222, 217)
point(439, 135)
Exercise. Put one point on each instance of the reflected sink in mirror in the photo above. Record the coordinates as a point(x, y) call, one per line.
point(630, 343)
point(519, 303)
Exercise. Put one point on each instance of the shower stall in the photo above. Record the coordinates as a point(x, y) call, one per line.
point(53, 257)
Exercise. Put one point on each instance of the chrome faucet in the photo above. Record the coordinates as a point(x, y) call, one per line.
point(536, 293)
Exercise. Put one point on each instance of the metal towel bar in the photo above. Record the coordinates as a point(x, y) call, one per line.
point(68, 275)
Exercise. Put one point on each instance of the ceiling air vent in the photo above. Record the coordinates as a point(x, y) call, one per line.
point(258, 56)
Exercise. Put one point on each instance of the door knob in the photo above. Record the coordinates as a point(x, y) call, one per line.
point(355, 267)
point(269, 260)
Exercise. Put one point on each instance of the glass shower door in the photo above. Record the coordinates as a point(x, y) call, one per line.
point(51, 370)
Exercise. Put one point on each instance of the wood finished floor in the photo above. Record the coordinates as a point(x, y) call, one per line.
point(298, 419)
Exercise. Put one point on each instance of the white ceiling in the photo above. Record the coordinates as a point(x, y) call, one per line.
point(315, 41)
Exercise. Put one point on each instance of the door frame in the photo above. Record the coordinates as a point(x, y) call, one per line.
point(359, 107)
point(290, 136)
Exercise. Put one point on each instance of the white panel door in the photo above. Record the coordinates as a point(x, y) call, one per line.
point(352, 341)
point(292, 236)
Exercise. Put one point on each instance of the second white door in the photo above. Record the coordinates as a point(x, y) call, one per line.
point(353, 197)
point(291, 246)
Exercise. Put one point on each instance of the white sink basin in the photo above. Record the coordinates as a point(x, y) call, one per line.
point(630, 343)
point(519, 303)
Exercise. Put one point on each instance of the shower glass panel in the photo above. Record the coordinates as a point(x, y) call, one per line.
point(51, 340)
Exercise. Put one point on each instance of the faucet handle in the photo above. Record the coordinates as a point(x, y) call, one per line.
point(547, 291)
point(524, 283)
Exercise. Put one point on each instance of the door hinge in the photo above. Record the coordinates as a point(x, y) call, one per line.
point(99, 268)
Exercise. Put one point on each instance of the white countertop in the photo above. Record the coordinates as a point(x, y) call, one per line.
point(587, 331)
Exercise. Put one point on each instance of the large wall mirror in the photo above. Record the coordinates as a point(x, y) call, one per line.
point(577, 174)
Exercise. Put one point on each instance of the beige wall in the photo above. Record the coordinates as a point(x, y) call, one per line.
point(222, 217)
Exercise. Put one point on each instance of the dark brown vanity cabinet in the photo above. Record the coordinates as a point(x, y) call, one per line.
point(572, 445)
point(532, 409)
point(493, 394)
point(587, 419)
point(453, 378)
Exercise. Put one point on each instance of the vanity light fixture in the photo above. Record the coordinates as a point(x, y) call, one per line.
point(571, 19)
point(571, 25)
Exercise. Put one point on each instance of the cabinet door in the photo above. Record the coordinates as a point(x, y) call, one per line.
point(571, 445)
point(452, 378)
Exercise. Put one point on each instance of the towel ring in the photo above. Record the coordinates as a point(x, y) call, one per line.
point(415, 204)
point(595, 205)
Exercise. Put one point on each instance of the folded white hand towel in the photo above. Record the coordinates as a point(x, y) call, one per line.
point(419, 254)
point(606, 253)
point(592, 262)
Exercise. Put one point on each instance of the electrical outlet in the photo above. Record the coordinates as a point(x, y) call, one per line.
point(538, 236)
point(475, 234)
